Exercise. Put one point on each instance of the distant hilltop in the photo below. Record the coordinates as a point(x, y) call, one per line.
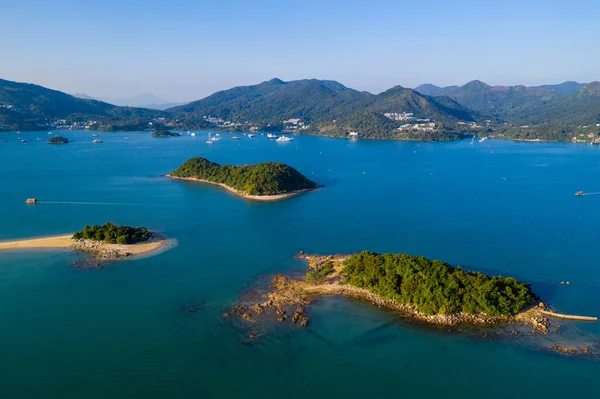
point(561, 112)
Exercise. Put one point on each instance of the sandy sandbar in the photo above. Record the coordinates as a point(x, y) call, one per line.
point(98, 249)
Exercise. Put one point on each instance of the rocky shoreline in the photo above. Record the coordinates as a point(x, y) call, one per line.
point(99, 249)
point(288, 296)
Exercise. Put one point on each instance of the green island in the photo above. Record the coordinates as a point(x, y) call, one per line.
point(58, 140)
point(111, 233)
point(165, 133)
point(435, 287)
point(267, 180)
point(418, 288)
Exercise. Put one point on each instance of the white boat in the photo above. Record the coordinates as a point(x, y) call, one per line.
point(235, 138)
point(284, 138)
point(49, 132)
point(94, 135)
point(271, 136)
point(209, 139)
point(250, 135)
point(127, 138)
point(217, 137)
point(97, 141)
point(193, 134)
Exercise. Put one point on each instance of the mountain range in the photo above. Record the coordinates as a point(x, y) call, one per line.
point(311, 106)
point(568, 103)
point(327, 106)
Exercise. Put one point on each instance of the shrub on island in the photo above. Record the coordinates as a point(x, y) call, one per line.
point(114, 234)
point(267, 178)
point(58, 140)
point(165, 133)
point(435, 287)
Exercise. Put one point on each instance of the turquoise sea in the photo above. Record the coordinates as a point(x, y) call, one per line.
point(119, 332)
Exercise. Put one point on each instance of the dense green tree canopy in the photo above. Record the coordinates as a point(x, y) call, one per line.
point(58, 140)
point(435, 287)
point(268, 178)
point(165, 133)
point(114, 234)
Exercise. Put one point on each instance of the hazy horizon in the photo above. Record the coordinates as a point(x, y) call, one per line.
point(187, 51)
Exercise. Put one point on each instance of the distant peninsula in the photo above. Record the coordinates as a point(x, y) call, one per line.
point(107, 242)
point(265, 181)
point(58, 140)
point(165, 133)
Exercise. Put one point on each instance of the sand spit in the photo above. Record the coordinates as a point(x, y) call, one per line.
point(97, 249)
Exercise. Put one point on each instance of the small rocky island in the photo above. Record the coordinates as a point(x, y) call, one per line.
point(417, 289)
point(427, 290)
point(264, 181)
point(109, 241)
point(58, 140)
point(165, 133)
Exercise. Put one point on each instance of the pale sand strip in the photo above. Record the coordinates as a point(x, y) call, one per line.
point(63, 241)
point(97, 248)
point(244, 195)
point(568, 316)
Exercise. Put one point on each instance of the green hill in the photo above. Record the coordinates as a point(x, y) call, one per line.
point(569, 87)
point(268, 178)
point(429, 89)
point(26, 106)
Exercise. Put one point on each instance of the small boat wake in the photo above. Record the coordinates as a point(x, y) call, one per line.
point(94, 203)
point(581, 193)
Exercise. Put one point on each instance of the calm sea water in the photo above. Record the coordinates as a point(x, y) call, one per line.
point(118, 332)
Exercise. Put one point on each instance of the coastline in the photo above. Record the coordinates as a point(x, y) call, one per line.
point(287, 294)
point(98, 249)
point(276, 197)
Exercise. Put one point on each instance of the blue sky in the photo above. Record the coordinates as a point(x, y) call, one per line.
point(185, 50)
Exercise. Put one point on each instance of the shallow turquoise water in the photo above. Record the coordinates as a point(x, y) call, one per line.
point(118, 332)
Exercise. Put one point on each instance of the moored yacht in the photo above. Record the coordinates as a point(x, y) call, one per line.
point(284, 138)
point(271, 136)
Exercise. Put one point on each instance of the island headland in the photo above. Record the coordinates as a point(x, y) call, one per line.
point(426, 290)
point(267, 181)
point(107, 242)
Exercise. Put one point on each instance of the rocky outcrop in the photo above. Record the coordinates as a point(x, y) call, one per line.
point(100, 249)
